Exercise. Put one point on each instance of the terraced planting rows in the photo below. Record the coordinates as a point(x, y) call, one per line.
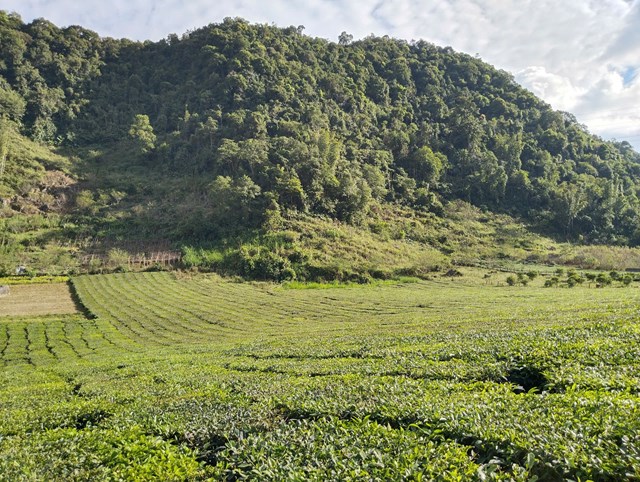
point(199, 378)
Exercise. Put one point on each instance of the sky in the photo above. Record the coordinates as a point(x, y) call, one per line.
point(581, 56)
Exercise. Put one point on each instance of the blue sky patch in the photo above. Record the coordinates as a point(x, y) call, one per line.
point(628, 75)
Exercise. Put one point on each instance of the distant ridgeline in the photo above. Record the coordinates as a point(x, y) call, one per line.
point(248, 122)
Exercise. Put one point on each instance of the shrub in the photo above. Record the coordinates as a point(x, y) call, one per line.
point(5, 269)
point(201, 258)
point(532, 275)
point(602, 280)
point(553, 281)
point(259, 262)
point(118, 259)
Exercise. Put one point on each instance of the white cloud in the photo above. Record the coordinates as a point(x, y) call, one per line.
point(573, 53)
point(555, 89)
point(625, 48)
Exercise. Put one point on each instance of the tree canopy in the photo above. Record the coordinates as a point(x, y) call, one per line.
point(266, 118)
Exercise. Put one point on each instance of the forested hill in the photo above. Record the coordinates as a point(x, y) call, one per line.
point(259, 121)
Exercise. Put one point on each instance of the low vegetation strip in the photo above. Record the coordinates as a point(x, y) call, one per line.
point(30, 280)
point(198, 378)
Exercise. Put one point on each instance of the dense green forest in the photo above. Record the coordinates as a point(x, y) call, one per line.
point(236, 127)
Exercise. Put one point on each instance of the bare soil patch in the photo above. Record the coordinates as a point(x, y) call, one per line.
point(37, 299)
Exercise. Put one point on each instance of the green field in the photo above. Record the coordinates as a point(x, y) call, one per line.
point(171, 377)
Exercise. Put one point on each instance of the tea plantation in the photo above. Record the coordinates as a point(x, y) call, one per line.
point(169, 377)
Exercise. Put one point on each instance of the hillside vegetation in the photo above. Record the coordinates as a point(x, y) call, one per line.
point(218, 139)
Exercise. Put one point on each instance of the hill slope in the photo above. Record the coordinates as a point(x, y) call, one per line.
point(235, 127)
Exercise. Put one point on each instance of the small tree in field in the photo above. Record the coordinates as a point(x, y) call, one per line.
point(574, 279)
point(553, 281)
point(602, 280)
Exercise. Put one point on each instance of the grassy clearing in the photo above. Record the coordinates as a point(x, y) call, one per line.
point(200, 378)
point(37, 299)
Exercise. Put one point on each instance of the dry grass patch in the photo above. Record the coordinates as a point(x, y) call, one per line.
point(37, 299)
